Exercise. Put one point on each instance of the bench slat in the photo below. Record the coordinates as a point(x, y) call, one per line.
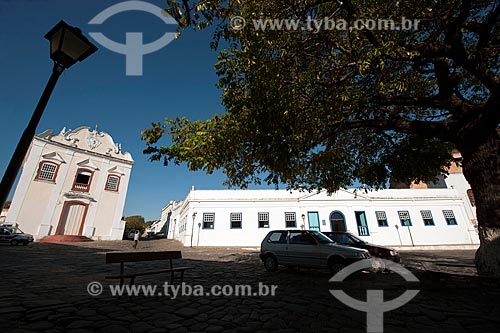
point(116, 257)
point(131, 275)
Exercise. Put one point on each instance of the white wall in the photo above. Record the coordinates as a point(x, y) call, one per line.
point(251, 202)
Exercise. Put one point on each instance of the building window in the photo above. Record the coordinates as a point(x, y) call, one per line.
point(449, 217)
point(112, 183)
point(236, 220)
point(404, 217)
point(427, 217)
point(362, 224)
point(82, 180)
point(47, 171)
point(290, 220)
point(381, 219)
point(470, 194)
point(263, 220)
point(208, 220)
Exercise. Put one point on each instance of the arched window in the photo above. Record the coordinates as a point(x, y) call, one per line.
point(47, 171)
point(337, 221)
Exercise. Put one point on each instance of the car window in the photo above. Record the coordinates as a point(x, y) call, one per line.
point(342, 239)
point(321, 238)
point(355, 239)
point(277, 237)
point(16, 231)
point(302, 238)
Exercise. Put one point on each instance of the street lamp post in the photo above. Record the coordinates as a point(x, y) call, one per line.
point(199, 229)
point(173, 230)
point(192, 228)
point(67, 46)
point(411, 238)
point(397, 229)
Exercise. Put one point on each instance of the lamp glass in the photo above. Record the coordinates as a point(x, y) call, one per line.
point(73, 46)
point(68, 45)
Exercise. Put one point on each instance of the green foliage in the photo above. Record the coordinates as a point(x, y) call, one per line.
point(135, 222)
point(326, 109)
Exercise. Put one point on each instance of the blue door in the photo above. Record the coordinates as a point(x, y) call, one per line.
point(362, 224)
point(313, 218)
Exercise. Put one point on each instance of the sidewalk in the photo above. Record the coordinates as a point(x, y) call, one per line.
point(44, 290)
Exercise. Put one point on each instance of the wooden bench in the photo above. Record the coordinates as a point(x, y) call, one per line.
point(123, 257)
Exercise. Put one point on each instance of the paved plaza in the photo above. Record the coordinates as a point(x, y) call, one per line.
point(44, 289)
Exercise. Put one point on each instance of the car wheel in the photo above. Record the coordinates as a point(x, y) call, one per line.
point(270, 263)
point(336, 266)
point(25, 243)
point(13, 242)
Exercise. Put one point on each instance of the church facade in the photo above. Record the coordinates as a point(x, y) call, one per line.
point(72, 184)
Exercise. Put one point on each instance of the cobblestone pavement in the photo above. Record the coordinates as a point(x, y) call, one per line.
point(44, 289)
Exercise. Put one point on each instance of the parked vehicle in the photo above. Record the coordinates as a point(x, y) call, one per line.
point(348, 239)
point(132, 233)
point(14, 236)
point(306, 248)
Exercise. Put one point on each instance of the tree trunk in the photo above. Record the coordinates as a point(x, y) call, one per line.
point(481, 168)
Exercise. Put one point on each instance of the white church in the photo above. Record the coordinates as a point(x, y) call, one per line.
point(72, 187)
point(438, 215)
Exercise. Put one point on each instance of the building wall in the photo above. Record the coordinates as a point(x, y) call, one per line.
point(276, 203)
point(38, 205)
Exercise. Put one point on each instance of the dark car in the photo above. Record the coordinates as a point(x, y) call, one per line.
point(14, 236)
point(348, 239)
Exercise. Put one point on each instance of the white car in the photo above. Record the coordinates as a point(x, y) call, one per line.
point(307, 248)
point(132, 233)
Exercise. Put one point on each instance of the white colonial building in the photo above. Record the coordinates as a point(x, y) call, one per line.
point(424, 217)
point(72, 184)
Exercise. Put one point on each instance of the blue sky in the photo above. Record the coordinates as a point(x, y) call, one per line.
point(178, 80)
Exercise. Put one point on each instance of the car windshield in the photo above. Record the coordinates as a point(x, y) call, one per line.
point(16, 231)
point(356, 239)
point(321, 238)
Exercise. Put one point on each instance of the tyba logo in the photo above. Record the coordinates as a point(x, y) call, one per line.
point(374, 305)
point(134, 49)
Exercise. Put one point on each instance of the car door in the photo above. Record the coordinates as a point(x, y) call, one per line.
point(303, 250)
point(6, 236)
point(276, 244)
point(3, 237)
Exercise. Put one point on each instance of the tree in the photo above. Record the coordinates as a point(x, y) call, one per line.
point(327, 108)
point(135, 222)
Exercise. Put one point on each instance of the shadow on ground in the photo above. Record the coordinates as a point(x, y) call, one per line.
point(45, 290)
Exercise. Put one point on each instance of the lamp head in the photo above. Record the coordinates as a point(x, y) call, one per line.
point(68, 45)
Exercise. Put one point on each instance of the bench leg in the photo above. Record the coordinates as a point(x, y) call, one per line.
point(132, 280)
point(182, 276)
point(171, 277)
point(121, 273)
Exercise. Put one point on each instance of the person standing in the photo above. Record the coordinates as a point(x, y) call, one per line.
point(136, 239)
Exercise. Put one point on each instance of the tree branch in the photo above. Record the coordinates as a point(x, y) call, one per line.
point(452, 104)
point(423, 128)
